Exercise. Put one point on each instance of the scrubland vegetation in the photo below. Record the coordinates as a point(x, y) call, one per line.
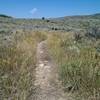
point(73, 42)
point(78, 63)
point(17, 65)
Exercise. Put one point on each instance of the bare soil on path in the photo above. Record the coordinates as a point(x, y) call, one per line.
point(46, 76)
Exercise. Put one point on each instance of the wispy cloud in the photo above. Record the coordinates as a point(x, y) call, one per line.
point(33, 11)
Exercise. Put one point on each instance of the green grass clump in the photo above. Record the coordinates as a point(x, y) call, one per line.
point(79, 67)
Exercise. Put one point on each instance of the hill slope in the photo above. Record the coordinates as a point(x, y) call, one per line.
point(5, 16)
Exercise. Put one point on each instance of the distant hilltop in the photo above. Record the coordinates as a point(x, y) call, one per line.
point(94, 16)
point(97, 15)
point(5, 16)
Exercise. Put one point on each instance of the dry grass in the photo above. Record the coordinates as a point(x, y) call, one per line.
point(17, 64)
point(79, 66)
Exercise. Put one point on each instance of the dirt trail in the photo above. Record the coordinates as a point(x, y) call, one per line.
point(46, 76)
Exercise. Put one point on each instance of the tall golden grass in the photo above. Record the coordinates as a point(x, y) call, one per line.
point(17, 66)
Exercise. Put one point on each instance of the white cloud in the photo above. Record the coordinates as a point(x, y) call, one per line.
point(33, 11)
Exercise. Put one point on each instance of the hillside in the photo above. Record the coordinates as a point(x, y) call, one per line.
point(70, 23)
point(5, 16)
point(55, 59)
point(75, 22)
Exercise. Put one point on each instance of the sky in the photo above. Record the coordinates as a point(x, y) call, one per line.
point(48, 8)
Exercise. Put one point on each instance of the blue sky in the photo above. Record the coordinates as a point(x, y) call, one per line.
point(48, 8)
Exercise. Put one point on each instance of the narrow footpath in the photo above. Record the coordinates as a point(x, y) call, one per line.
point(46, 76)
